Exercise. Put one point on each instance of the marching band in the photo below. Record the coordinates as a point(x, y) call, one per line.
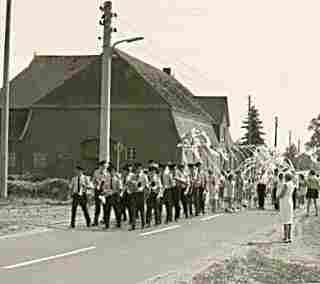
point(145, 192)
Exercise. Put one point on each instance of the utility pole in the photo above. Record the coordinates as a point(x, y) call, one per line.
point(5, 106)
point(290, 138)
point(105, 109)
point(299, 146)
point(276, 133)
point(249, 122)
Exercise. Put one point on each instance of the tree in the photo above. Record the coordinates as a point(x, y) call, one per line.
point(314, 143)
point(291, 153)
point(253, 127)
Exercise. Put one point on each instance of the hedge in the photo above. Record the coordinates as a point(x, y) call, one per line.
point(57, 189)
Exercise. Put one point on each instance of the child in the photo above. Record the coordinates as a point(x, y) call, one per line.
point(212, 190)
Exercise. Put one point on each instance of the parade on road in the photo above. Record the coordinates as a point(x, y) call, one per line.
point(175, 191)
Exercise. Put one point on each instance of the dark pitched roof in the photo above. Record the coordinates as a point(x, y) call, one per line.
point(44, 74)
point(172, 91)
point(216, 107)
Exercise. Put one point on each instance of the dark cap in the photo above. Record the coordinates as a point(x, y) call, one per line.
point(191, 165)
point(198, 164)
point(181, 166)
point(110, 166)
point(171, 165)
point(162, 166)
point(102, 163)
point(79, 168)
point(138, 165)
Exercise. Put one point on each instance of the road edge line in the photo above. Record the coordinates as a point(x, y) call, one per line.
point(160, 230)
point(210, 217)
point(43, 259)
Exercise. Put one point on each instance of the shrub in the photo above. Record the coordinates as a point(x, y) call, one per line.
point(50, 188)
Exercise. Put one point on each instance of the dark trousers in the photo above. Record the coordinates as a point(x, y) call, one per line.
point(160, 209)
point(176, 196)
point(137, 208)
point(152, 205)
point(112, 202)
point(185, 202)
point(97, 207)
point(125, 206)
point(294, 199)
point(167, 200)
point(201, 200)
point(190, 202)
point(274, 198)
point(261, 190)
point(82, 201)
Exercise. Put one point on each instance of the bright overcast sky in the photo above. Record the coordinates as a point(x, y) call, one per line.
point(270, 49)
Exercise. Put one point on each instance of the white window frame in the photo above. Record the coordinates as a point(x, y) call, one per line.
point(39, 160)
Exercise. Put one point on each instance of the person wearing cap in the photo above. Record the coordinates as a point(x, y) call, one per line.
point(183, 184)
point(79, 185)
point(97, 178)
point(106, 192)
point(112, 197)
point(155, 193)
point(161, 198)
point(167, 178)
point(125, 194)
point(193, 199)
point(142, 186)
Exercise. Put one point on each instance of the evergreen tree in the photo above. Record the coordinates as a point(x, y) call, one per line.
point(253, 127)
point(314, 143)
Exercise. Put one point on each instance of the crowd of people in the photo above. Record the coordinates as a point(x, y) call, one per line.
point(155, 190)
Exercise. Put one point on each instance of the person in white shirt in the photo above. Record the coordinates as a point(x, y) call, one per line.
point(155, 193)
point(97, 178)
point(138, 195)
point(167, 179)
point(111, 190)
point(130, 187)
point(78, 185)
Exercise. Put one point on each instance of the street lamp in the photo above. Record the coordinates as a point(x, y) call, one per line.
point(129, 40)
point(104, 149)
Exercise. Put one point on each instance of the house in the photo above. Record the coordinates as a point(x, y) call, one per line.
point(217, 107)
point(55, 113)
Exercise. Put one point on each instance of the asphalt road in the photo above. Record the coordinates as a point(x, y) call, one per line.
point(82, 255)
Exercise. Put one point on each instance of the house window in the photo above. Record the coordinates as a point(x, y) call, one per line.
point(12, 160)
point(131, 154)
point(40, 160)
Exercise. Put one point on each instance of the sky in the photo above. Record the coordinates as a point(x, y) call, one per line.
point(266, 49)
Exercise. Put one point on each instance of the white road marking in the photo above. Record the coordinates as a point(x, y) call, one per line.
point(160, 230)
point(48, 258)
point(29, 233)
point(159, 277)
point(210, 217)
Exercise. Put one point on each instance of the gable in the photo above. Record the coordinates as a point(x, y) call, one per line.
point(217, 107)
point(42, 76)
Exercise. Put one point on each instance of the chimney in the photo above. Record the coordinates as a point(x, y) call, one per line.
point(167, 70)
